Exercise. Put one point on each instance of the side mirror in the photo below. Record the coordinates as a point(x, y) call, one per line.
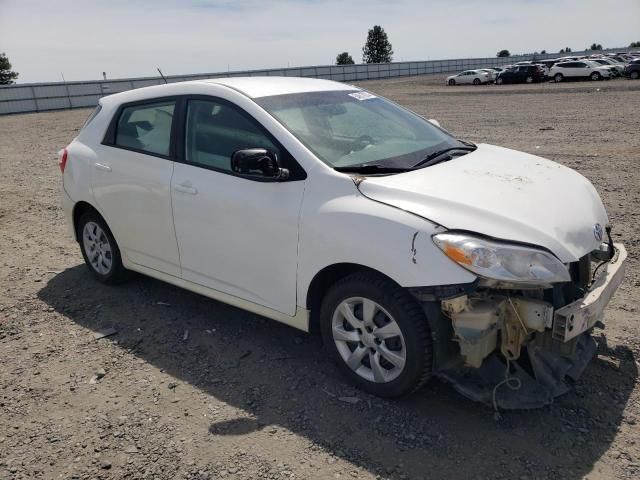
point(435, 122)
point(259, 163)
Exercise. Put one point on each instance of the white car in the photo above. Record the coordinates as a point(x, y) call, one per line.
point(328, 208)
point(618, 68)
point(473, 77)
point(491, 74)
point(579, 69)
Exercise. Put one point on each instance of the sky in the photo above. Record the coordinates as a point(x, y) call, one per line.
point(45, 39)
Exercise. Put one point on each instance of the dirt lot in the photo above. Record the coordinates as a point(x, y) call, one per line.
point(242, 397)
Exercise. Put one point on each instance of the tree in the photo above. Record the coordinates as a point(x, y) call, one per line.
point(7, 77)
point(503, 53)
point(377, 48)
point(543, 52)
point(595, 46)
point(634, 45)
point(567, 50)
point(561, 50)
point(344, 59)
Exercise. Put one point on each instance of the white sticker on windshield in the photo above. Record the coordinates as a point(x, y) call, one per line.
point(362, 95)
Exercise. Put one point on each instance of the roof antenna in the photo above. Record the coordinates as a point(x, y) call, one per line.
point(160, 72)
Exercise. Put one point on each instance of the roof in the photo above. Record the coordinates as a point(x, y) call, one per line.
point(255, 87)
point(252, 87)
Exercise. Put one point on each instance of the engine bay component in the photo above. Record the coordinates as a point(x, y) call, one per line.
point(477, 321)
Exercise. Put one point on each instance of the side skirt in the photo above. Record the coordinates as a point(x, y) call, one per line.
point(300, 320)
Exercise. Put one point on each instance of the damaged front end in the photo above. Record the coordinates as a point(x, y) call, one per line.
point(513, 347)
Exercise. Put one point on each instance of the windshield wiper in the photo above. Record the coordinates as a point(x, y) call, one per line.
point(368, 169)
point(432, 159)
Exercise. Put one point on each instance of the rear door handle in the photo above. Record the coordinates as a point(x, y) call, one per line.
point(186, 187)
point(104, 168)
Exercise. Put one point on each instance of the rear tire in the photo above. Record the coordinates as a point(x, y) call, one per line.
point(476, 81)
point(377, 334)
point(558, 77)
point(452, 82)
point(100, 250)
point(634, 75)
point(499, 80)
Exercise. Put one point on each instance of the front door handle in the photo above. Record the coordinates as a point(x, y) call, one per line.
point(104, 168)
point(186, 187)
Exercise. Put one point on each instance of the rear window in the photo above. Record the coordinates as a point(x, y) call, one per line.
point(146, 127)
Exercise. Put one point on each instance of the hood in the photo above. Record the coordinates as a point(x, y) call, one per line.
point(504, 194)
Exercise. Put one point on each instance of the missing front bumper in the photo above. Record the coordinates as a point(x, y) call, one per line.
point(547, 355)
point(547, 375)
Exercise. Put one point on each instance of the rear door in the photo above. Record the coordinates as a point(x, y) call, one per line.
point(236, 235)
point(521, 73)
point(572, 69)
point(132, 180)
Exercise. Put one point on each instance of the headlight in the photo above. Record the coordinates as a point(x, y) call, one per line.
point(502, 261)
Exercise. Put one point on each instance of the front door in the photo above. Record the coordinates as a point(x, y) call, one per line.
point(235, 234)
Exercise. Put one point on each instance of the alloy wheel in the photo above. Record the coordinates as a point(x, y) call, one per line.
point(97, 247)
point(369, 340)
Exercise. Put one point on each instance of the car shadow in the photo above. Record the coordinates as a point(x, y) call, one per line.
point(281, 377)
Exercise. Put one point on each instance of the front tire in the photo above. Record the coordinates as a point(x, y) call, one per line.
point(529, 79)
point(595, 76)
point(377, 334)
point(452, 82)
point(476, 81)
point(634, 75)
point(100, 250)
point(499, 80)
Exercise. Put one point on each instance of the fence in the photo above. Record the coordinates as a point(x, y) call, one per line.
point(38, 97)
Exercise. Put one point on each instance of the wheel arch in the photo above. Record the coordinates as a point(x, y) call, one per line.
point(79, 209)
point(324, 279)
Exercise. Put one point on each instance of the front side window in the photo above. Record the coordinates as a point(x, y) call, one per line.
point(215, 130)
point(356, 128)
point(146, 127)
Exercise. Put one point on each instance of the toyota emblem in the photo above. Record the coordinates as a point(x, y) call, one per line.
point(597, 232)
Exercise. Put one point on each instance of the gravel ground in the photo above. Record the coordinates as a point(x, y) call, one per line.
point(241, 397)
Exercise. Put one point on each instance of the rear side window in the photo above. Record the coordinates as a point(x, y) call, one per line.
point(93, 115)
point(146, 127)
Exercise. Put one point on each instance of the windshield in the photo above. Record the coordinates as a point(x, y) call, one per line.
point(356, 128)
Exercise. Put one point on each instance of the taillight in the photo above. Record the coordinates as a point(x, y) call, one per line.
point(62, 162)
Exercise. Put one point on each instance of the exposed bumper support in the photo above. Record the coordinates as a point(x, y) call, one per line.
point(581, 315)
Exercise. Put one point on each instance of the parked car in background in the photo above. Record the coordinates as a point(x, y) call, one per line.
point(521, 74)
point(632, 70)
point(619, 59)
point(578, 70)
point(491, 72)
point(550, 62)
point(617, 68)
point(328, 208)
point(475, 77)
point(541, 64)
